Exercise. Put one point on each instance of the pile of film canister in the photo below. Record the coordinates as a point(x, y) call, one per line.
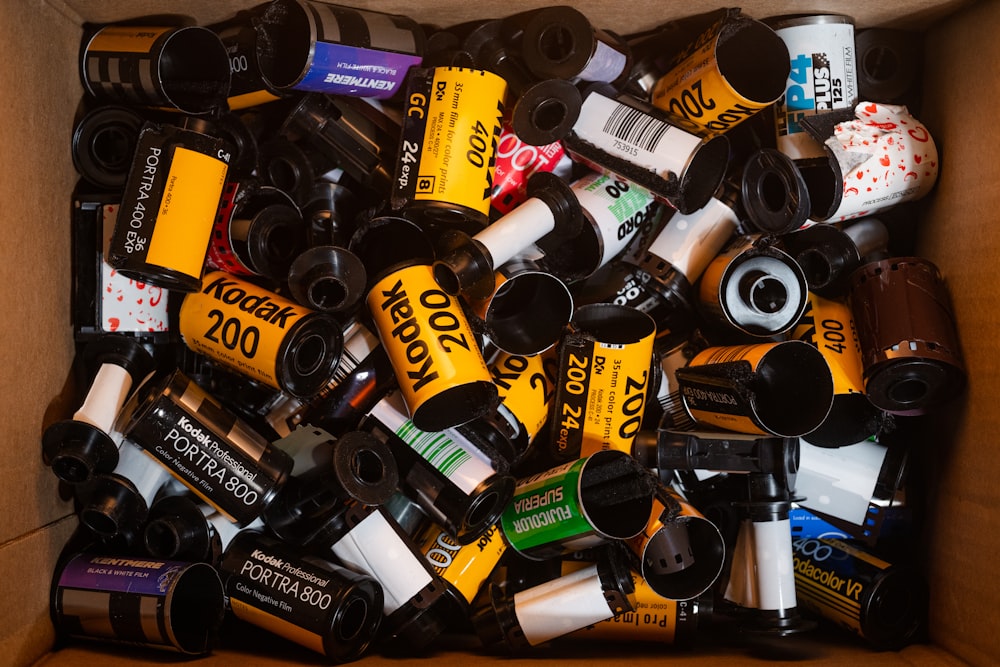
point(517, 328)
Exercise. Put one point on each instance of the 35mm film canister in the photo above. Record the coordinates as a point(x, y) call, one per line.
point(354, 468)
point(247, 87)
point(82, 446)
point(258, 231)
point(540, 111)
point(116, 503)
point(754, 287)
point(775, 193)
point(901, 164)
point(672, 259)
point(219, 457)
point(615, 210)
point(468, 263)
point(559, 42)
point(629, 137)
point(376, 545)
point(104, 142)
point(584, 503)
point(441, 371)
point(715, 85)
point(180, 527)
point(906, 327)
point(169, 205)
point(515, 164)
point(672, 622)
point(761, 576)
point(527, 311)
point(679, 554)
point(447, 155)
point(333, 49)
point(461, 484)
point(301, 597)
point(828, 254)
point(526, 385)
point(605, 361)
point(181, 68)
point(829, 325)
point(150, 602)
point(535, 615)
point(822, 76)
point(783, 389)
point(465, 568)
point(884, 604)
point(259, 334)
point(889, 64)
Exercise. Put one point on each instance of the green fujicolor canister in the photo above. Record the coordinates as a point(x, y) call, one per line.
point(580, 504)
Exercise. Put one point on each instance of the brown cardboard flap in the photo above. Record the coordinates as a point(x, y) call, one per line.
point(960, 235)
point(27, 564)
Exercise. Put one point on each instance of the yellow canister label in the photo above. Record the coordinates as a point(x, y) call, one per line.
point(426, 335)
point(186, 216)
point(601, 395)
point(698, 91)
point(239, 324)
point(125, 39)
point(278, 626)
point(720, 355)
point(717, 405)
point(465, 567)
point(481, 307)
point(247, 100)
point(829, 325)
point(453, 122)
point(526, 385)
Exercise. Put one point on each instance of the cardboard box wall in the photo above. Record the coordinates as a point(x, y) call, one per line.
point(958, 225)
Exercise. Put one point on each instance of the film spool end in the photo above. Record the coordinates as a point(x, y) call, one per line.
point(465, 267)
point(775, 194)
point(104, 142)
point(327, 279)
point(76, 451)
point(546, 112)
point(115, 507)
point(365, 468)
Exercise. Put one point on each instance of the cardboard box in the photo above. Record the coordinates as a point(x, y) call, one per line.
point(39, 92)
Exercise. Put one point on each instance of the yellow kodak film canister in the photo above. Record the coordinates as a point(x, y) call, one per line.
point(447, 157)
point(829, 325)
point(605, 361)
point(783, 389)
point(715, 86)
point(168, 207)
point(465, 567)
point(262, 335)
point(434, 353)
point(526, 385)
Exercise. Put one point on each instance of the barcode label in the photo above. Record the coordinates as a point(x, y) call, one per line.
point(635, 127)
point(634, 135)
